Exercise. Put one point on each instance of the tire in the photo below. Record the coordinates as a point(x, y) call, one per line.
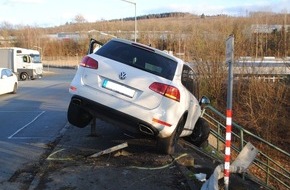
point(200, 132)
point(23, 76)
point(167, 145)
point(78, 116)
point(14, 89)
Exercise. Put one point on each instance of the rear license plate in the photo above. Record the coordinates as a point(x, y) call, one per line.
point(118, 88)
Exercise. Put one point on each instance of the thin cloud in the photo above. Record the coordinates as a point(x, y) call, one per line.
point(25, 1)
point(227, 7)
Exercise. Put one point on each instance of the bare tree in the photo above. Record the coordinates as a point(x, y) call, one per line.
point(79, 19)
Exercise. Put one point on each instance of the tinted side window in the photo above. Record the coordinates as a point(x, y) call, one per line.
point(139, 58)
point(8, 72)
point(187, 78)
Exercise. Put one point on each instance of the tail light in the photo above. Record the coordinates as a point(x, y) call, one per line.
point(166, 90)
point(72, 88)
point(89, 63)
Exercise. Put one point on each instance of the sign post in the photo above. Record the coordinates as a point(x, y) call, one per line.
point(229, 62)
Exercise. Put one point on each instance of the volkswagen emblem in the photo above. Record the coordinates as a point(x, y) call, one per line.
point(122, 75)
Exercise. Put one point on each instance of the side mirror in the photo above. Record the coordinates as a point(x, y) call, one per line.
point(204, 101)
point(26, 59)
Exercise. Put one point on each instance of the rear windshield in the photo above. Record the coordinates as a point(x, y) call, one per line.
point(140, 58)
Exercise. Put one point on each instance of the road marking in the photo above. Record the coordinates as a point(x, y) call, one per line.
point(24, 138)
point(11, 136)
point(18, 111)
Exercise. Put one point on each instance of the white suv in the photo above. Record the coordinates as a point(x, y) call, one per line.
point(139, 88)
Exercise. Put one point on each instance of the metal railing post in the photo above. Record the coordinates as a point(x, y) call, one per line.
point(218, 139)
point(241, 139)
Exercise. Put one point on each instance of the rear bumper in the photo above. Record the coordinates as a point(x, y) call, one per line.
point(113, 116)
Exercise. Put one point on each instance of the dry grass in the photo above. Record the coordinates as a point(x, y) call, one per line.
point(62, 61)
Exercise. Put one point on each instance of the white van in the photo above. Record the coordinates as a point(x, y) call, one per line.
point(26, 63)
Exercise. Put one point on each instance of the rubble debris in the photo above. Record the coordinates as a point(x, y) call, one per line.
point(110, 150)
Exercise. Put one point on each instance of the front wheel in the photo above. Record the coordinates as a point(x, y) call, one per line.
point(200, 132)
point(167, 145)
point(23, 76)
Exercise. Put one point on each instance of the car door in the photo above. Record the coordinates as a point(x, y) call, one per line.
point(6, 82)
point(187, 80)
point(3, 84)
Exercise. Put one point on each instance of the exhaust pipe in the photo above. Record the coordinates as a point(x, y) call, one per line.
point(145, 129)
point(76, 101)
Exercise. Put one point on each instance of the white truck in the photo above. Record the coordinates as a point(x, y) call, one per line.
point(26, 63)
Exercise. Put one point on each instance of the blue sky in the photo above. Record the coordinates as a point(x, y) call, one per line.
point(56, 12)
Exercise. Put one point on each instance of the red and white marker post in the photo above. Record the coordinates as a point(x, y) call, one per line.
point(229, 61)
point(228, 148)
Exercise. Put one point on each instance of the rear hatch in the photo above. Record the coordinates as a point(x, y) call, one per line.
point(127, 71)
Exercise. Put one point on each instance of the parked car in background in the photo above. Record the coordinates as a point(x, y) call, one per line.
point(8, 81)
point(139, 88)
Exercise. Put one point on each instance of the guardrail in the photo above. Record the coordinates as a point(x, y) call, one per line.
point(272, 164)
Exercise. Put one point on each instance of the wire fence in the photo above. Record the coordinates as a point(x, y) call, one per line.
point(271, 167)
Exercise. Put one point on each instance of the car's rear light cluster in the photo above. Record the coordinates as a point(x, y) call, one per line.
point(89, 63)
point(166, 90)
point(72, 88)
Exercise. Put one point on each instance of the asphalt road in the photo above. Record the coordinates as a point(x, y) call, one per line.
point(31, 119)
